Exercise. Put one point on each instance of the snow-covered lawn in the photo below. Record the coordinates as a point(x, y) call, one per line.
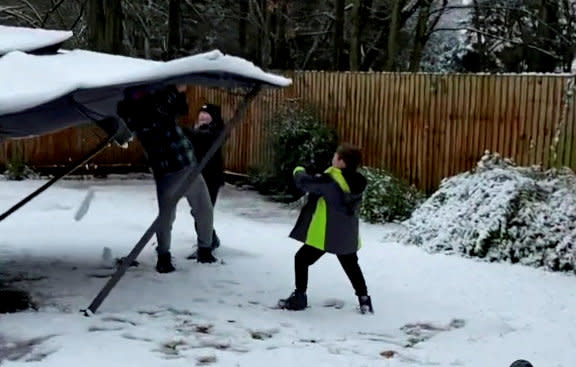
point(431, 310)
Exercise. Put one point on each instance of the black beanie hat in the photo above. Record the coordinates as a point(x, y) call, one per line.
point(521, 363)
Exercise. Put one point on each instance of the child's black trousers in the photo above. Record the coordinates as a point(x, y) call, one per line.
point(308, 255)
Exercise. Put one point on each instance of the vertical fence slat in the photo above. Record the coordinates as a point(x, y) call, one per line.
point(379, 128)
point(520, 156)
point(547, 120)
point(393, 98)
point(469, 124)
point(404, 83)
point(461, 137)
point(454, 117)
point(509, 123)
point(481, 111)
point(370, 139)
point(494, 113)
point(409, 125)
point(559, 123)
point(388, 156)
point(443, 126)
point(570, 145)
point(357, 107)
point(556, 108)
point(533, 120)
point(503, 144)
point(448, 120)
point(567, 133)
point(474, 145)
point(540, 100)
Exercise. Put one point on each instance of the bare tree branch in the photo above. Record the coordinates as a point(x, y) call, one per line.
point(411, 7)
point(307, 34)
point(487, 34)
point(138, 16)
point(49, 12)
point(62, 18)
point(80, 15)
point(315, 45)
point(195, 9)
point(318, 15)
point(21, 16)
point(259, 16)
point(38, 16)
point(9, 8)
point(436, 20)
point(500, 8)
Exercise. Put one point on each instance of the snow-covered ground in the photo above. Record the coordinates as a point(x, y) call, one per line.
point(431, 310)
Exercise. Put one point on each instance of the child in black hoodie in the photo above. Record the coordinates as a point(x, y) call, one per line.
point(208, 128)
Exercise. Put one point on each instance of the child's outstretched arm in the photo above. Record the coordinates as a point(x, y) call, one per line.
point(319, 185)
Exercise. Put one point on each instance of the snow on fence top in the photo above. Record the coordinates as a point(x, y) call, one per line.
point(29, 39)
point(27, 81)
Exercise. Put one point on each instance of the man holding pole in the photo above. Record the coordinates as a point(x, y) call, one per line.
point(152, 115)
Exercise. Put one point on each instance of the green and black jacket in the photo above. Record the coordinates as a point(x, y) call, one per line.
point(329, 220)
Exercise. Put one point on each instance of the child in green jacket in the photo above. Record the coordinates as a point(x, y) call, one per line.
point(329, 223)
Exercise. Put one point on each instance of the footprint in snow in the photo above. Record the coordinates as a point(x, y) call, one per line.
point(93, 329)
point(181, 312)
point(423, 331)
point(119, 320)
point(263, 334)
point(205, 360)
point(24, 350)
point(172, 349)
point(334, 303)
point(137, 338)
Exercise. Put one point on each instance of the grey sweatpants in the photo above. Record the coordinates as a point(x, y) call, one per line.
point(200, 204)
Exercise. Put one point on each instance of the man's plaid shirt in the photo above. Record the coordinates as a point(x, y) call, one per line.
point(167, 147)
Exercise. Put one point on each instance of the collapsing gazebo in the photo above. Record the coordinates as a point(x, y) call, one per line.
point(44, 89)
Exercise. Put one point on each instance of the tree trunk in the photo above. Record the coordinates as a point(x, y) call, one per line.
point(174, 28)
point(264, 34)
point(273, 36)
point(339, 35)
point(393, 37)
point(243, 26)
point(548, 18)
point(281, 51)
point(105, 26)
point(356, 34)
point(420, 37)
point(147, 53)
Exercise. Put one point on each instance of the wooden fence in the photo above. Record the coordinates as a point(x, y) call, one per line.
point(421, 127)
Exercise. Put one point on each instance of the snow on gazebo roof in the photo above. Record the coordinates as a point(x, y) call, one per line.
point(27, 80)
point(43, 93)
point(29, 39)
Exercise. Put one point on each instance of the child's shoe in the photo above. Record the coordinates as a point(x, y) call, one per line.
point(365, 304)
point(296, 302)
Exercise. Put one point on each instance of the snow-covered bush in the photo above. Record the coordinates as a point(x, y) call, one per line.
point(17, 170)
point(14, 300)
point(387, 198)
point(501, 212)
point(298, 136)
